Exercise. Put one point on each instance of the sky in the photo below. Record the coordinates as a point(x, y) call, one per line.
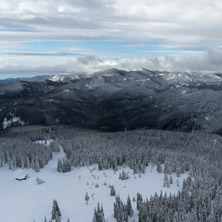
point(71, 36)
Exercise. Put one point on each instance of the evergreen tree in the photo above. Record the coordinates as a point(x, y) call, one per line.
point(129, 207)
point(138, 201)
point(56, 213)
point(59, 165)
point(159, 168)
point(36, 166)
point(11, 165)
point(171, 180)
point(55, 147)
point(116, 207)
point(112, 191)
point(166, 168)
point(166, 181)
point(123, 175)
point(87, 198)
point(99, 214)
point(122, 215)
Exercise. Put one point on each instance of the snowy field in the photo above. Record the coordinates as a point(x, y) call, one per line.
point(23, 201)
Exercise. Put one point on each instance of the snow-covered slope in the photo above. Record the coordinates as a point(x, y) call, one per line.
point(67, 77)
point(29, 201)
point(59, 78)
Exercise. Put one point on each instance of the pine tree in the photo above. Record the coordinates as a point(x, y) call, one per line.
point(86, 198)
point(99, 214)
point(112, 191)
point(166, 181)
point(123, 175)
point(28, 164)
point(166, 168)
point(122, 215)
point(100, 166)
point(171, 180)
point(116, 207)
point(66, 165)
point(11, 165)
point(159, 168)
point(56, 213)
point(59, 165)
point(139, 201)
point(129, 207)
point(36, 166)
point(55, 147)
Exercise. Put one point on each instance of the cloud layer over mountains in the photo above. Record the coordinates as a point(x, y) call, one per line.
point(89, 64)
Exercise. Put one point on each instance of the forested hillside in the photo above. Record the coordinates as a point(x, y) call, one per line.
point(116, 100)
point(171, 154)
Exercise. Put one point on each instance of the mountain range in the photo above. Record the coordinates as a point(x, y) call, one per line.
point(114, 100)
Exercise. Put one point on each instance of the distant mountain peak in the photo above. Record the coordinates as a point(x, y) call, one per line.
point(110, 72)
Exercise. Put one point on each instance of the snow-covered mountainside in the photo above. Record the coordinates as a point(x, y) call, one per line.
point(117, 100)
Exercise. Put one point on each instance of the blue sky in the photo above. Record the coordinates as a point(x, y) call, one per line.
point(63, 36)
point(103, 48)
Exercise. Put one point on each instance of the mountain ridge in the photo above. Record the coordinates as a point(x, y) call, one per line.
point(115, 100)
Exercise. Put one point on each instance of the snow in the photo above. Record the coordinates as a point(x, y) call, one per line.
point(89, 86)
point(142, 80)
point(63, 78)
point(66, 90)
point(215, 142)
point(27, 200)
point(45, 142)
point(14, 120)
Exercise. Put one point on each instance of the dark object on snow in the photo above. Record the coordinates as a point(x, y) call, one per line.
point(24, 178)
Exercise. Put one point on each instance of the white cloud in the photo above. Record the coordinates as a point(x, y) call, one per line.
point(191, 26)
point(173, 21)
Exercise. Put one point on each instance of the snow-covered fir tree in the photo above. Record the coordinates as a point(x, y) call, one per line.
point(87, 198)
point(56, 213)
point(112, 191)
point(99, 214)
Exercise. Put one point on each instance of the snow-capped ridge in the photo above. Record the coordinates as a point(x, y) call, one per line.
point(67, 77)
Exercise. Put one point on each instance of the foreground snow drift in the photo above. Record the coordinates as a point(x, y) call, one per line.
point(25, 200)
